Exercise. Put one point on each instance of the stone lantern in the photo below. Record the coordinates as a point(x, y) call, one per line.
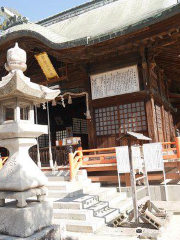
point(20, 178)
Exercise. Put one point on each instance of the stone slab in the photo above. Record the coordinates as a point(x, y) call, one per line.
point(23, 222)
point(49, 233)
point(21, 197)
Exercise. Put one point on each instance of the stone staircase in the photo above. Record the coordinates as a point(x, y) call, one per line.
point(81, 205)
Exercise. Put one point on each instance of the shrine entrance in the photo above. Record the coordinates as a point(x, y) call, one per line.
point(66, 122)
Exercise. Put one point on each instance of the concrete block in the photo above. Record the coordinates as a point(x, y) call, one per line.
point(23, 222)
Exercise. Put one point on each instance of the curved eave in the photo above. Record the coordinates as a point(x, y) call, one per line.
point(57, 42)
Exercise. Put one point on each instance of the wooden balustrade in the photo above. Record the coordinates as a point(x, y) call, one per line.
point(60, 155)
point(102, 156)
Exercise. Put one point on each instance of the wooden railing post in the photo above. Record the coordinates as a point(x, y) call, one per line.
point(71, 163)
point(178, 146)
point(80, 153)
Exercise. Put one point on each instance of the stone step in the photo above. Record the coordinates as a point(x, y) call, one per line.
point(65, 175)
point(99, 206)
point(87, 200)
point(59, 185)
point(82, 201)
point(66, 178)
point(115, 198)
point(81, 226)
point(64, 194)
point(102, 193)
point(108, 214)
point(124, 205)
point(81, 215)
point(67, 205)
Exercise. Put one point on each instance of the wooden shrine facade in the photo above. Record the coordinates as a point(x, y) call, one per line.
point(144, 100)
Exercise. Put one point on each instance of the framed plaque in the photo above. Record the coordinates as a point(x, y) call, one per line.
point(116, 82)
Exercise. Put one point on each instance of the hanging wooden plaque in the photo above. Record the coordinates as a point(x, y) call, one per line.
point(116, 82)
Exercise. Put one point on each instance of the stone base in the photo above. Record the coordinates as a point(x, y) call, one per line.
point(49, 233)
point(24, 222)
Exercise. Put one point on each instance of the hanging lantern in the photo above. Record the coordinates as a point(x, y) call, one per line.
point(54, 103)
point(69, 99)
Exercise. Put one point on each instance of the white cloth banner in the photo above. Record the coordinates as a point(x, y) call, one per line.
point(153, 157)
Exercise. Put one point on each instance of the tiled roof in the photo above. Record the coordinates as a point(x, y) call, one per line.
point(97, 18)
point(36, 30)
point(96, 21)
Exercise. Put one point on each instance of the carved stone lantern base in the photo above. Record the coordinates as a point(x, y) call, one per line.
point(22, 197)
point(20, 173)
point(23, 222)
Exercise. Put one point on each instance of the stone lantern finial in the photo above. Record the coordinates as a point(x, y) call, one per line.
point(16, 59)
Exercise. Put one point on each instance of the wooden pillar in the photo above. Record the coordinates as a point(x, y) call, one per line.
point(145, 69)
point(90, 123)
point(163, 123)
point(151, 120)
point(91, 130)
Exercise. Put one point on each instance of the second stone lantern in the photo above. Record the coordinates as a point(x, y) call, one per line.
point(20, 178)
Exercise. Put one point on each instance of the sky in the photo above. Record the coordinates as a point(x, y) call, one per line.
point(38, 9)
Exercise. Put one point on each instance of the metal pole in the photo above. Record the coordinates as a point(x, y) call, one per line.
point(38, 151)
point(119, 178)
point(165, 185)
point(50, 146)
point(133, 184)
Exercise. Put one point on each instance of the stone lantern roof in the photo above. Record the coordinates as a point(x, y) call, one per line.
point(16, 84)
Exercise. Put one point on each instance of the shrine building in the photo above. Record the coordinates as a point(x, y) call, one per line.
point(117, 64)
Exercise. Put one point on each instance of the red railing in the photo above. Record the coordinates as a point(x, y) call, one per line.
point(90, 157)
point(80, 158)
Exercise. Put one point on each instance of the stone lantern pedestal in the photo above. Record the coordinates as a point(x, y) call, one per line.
point(20, 178)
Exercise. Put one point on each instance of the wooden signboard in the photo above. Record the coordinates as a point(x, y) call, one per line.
point(136, 157)
point(153, 157)
point(116, 82)
point(122, 156)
